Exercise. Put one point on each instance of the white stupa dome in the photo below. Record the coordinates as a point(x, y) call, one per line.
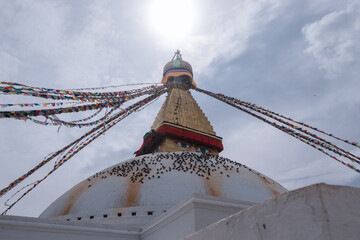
point(162, 180)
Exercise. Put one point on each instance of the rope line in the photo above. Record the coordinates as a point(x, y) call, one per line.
point(290, 119)
point(89, 137)
point(53, 104)
point(115, 86)
point(53, 155)
point(114, 102)
point(57, 94)
point(312, 140)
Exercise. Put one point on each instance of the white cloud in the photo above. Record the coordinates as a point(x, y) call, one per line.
point(35, 26)
point(224, 30)
point(10, 65)
point(324, 169)
point(334, 39)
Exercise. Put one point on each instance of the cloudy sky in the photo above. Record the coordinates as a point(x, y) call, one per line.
point(298, 58)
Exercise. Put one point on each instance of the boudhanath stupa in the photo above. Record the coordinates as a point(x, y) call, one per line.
point(178, 186)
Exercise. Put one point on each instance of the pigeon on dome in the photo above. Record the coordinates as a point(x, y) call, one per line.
point(178, 71)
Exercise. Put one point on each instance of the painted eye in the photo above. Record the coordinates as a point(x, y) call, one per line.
point(184, 145)
point(157, 149)
point(203, 150)
point(185, 78)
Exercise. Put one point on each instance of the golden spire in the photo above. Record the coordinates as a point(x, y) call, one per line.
point(180, 124)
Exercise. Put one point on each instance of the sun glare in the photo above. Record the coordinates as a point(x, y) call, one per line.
point(172, 21)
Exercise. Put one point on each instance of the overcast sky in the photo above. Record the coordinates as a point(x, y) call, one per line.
point(297, 58)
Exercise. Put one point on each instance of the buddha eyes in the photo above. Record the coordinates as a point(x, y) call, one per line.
point(157, 149)
point(185, 78)
point(198, 149)
point(203, 150)
point(184, 145)
point(182, 78)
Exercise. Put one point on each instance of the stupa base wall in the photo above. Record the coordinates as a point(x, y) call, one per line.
point(15, 227)
point(321, 212)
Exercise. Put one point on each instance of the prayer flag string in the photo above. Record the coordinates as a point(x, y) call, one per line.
point(47, 112)
point(55, 121)
point(85, 119)
point(53, 104)
point(82, 89)
point(52, 156)
point(56, 94)
point(115, 86)
point(79, 144)
point(113, 102)
point(288, 118)
point(310, 138)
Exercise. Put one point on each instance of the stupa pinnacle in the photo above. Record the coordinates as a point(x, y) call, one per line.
point(180, 124)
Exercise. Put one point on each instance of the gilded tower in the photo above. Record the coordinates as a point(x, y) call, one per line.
point(180, 125)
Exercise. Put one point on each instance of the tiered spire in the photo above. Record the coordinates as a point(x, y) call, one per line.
point(180, 125)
